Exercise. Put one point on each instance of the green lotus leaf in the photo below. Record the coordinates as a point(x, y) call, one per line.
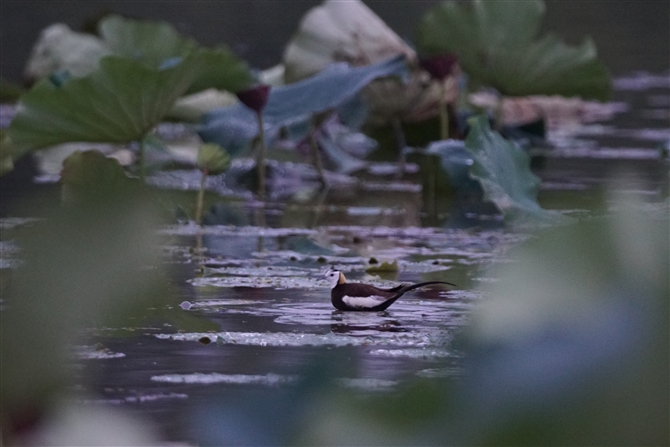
point(503, 170)
point(6, 154)
point(120, 102)
point(221, 70)
point(498, 46)
point(154, 43)
point(148, 41)
point(92, 177)
point(213, 158)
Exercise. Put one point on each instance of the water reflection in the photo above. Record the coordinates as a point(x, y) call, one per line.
point(361, 324)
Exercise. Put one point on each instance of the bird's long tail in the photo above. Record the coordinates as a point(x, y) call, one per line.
point(421, 284)
point(404, 289)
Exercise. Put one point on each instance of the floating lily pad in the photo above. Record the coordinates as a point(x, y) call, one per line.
point(238, 379)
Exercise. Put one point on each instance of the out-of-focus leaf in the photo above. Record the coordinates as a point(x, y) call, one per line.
point(59, 49)
point(148, 41)
point(456, 162)
point(85, 265)
point(349, 31)
point(573, 346)
point(503, 170)
point(384, 267)
point(221, 70)
point(234, 127)
point(9, 91)
point(192, 107)
point(497, 45)
point(91, 177)
point(120, 102)
point(157, 43)
point(213, 159)
point(154, 43)
point(6, 154)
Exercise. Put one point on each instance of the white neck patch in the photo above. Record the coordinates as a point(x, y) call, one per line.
point(332, 276)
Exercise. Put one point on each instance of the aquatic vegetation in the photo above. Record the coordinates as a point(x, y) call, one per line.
point(212, 160)
point(129, 92)
point(498, 46)
point(295, 104)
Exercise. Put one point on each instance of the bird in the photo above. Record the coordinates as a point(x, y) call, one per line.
point(365, 297)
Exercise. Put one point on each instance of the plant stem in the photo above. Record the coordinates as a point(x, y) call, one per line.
point(444, 113)
point(142, 162)
point(499, 112)
point(402, 143)
point(316, 155)
point(260, 162)
point(201, 197)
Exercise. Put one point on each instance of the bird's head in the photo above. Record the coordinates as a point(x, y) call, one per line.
point(335, 277)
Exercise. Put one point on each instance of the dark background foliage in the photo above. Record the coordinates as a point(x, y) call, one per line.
point(258, 30)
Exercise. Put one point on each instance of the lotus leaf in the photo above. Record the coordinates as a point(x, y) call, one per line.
point(120, 102)
point(234, 127)
point(213, 159)
point(497, 45)
point(151, 42)
point(349, 31)
point(503, 170)
point(6, 154)
point(91, 177)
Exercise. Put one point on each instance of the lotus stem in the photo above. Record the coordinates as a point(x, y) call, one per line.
point(444, 113)
point(201, 197)
point(141, 162)
point(402, 143)
point(318, 163)
point(499, 112)
point(260, 162)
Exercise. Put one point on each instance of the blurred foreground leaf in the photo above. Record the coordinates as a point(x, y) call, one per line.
point(498, 46)
point(87, 265)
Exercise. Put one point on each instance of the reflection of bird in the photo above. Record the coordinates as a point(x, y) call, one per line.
point(364, 297)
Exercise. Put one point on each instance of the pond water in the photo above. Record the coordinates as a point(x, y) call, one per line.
point(269, 317)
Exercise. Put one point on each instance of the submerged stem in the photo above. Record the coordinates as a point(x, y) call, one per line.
point(260, 162)
point(201, 197)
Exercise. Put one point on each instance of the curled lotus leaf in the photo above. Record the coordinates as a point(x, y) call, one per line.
point(349, 31)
